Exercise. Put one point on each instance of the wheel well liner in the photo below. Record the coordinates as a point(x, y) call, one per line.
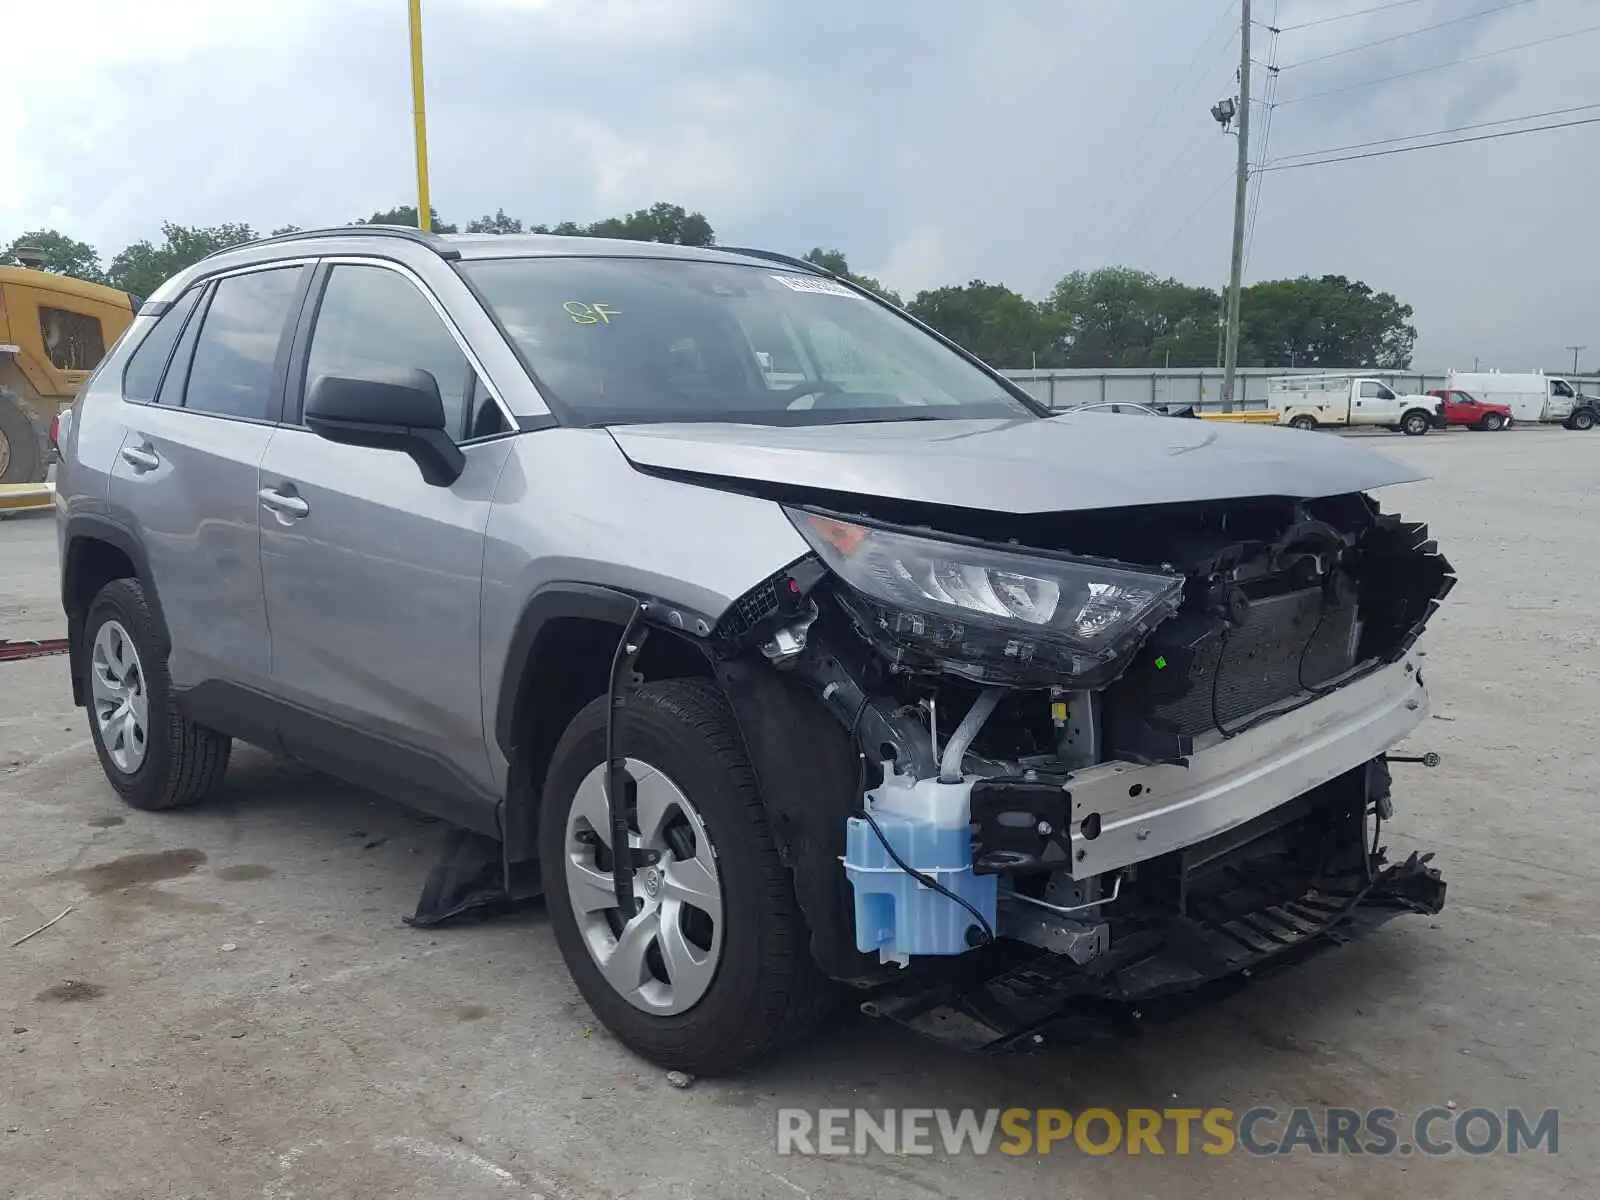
point(99, 550)
point(808, 774)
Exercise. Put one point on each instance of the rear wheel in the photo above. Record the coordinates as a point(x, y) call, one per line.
point(20, 457)
point(713, 968)
point(1491, 422)
point(1303, 421)
point(1415, 423)
point(154, 756)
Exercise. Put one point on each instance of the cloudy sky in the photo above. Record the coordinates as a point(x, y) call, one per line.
point(934, 141)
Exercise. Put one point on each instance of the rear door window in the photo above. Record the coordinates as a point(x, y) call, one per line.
point(235, 358)
point(142, 377)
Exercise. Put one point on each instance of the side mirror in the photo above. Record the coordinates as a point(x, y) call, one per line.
point(398, 411)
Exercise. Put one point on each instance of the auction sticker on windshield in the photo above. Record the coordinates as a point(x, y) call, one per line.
point(815, 285)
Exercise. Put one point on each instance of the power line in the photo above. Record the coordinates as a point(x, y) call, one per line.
point(1270, 93)
point(1211, 194)
point(1112, 199)
point(1440, 66)
point(1411, 137)
point(1360, 12)
point(1482, 137)
point(1411, 33)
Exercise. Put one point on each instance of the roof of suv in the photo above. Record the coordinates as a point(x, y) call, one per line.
point(513, 245)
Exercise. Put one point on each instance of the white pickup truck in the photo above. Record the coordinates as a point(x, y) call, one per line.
point(1312, 401)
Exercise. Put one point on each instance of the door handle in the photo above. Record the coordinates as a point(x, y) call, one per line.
point(141, 458)
point(284, 504)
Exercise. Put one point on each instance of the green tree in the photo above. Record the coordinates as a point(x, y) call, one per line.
point(1122, 317)
point(1328, 322)
point(63, 255)
point(1000, 326)
point(498, 223)
point(661, 222)
point(406, 214)
point(143, 266)
point(834, 261)
point(281, 230)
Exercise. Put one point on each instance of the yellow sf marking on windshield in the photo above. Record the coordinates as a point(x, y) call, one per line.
point(590, 314)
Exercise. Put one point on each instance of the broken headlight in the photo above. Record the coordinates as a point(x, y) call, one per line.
point(991, 614)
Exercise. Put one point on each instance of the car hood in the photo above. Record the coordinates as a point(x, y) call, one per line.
point(1069, 462)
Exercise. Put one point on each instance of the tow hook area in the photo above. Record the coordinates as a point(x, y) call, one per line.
point(1201, 921)
point(1429, 760)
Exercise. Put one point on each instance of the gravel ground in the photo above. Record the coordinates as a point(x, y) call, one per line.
point(233, 1007)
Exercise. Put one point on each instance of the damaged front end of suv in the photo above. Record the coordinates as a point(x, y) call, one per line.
point(1023, 765)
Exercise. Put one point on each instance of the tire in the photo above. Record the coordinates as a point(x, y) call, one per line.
point(1582, 419)
point(764, 989)
point(1491, 422)
point(175, 762)
point(1415, 423)
point(21, 460)
point(1303, 422)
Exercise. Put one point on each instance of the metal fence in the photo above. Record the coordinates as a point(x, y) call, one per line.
point(1202, 386)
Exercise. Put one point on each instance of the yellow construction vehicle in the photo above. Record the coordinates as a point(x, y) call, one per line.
point(54, 330)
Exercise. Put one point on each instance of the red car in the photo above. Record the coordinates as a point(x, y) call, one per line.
point(1462, 408)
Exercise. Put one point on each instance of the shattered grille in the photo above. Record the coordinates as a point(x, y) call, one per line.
point(1287, 645)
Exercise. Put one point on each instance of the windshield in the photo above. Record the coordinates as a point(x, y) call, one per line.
point(614, 340)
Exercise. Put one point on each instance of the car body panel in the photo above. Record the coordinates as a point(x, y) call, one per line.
point(690, 546)
point(195, 515)
point(373, 595)
point(1064, 463)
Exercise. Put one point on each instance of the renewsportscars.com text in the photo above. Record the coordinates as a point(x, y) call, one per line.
point(1257, 1131)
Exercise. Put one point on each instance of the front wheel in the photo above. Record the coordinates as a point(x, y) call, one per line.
point(1582, 419)
point(1492, 421)
point(712, 969)
point(1415, 423)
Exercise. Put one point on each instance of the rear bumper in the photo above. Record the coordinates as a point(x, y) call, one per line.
point(1147, 811)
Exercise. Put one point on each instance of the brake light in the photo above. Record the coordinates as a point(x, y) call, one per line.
point(55, 432)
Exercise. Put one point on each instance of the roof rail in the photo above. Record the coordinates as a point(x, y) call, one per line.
point(805, 264)
point(412, 234)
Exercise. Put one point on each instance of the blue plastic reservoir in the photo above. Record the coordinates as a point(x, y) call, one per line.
point(899, 917)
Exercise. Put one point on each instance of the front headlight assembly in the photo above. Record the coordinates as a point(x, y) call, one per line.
point(989, 614)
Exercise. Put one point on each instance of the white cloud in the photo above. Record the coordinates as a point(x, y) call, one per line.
point(934, 141)
point(916, 262)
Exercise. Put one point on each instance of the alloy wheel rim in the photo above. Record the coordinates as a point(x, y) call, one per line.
point(120, 698)
point(662, 958)
point(5, 452)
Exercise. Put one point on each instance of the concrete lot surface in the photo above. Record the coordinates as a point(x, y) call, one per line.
point(234, 1009)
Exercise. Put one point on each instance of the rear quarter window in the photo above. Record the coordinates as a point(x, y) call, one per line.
point(142, 377)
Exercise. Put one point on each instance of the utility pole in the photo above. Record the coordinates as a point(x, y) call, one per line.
point(1230, 360)
point(1576, 350)
point(419, 118)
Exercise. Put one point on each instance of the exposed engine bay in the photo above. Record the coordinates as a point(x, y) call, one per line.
point(1110, 754)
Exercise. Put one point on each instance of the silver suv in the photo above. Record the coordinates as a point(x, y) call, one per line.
point(778, 641)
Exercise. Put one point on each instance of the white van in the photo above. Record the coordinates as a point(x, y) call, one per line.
point(1532, 396)
point(1311, 401)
